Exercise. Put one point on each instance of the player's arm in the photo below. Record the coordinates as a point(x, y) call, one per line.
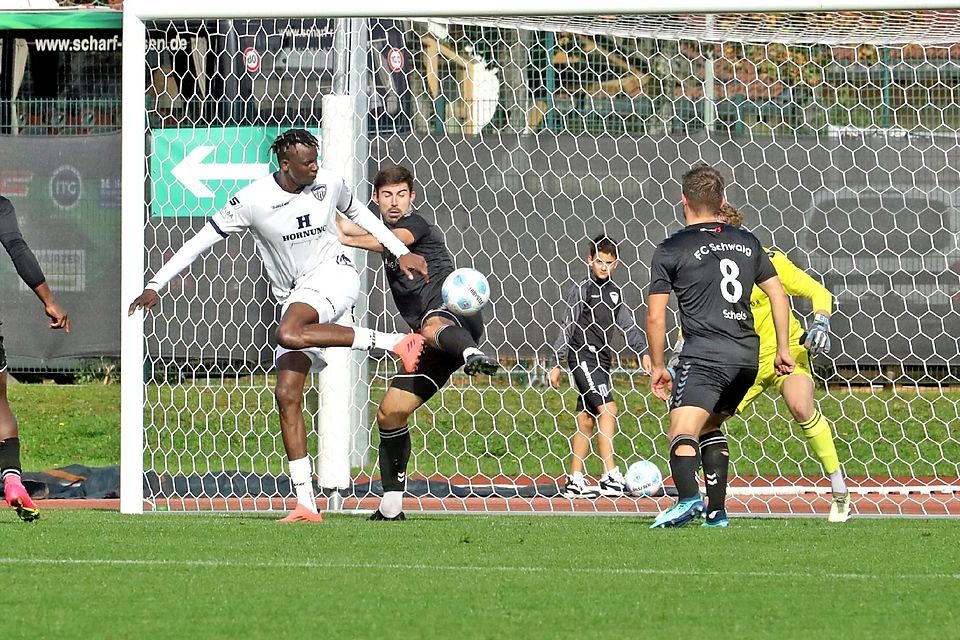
point(27, 266)
point(410, 263)
point(353, 235)
point(657, 336)
point(662, 270)
point(208, 236)
point(573, 303)
point(797, 282)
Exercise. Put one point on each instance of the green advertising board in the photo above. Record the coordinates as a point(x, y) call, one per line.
point(194, 171)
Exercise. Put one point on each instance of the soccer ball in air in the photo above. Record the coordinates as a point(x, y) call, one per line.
point(643, 478)
point(465, 291)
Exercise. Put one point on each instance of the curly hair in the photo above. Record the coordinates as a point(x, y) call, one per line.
point(731, 215)
point(291, 138)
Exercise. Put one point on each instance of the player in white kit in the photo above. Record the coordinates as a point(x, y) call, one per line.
point(292, 215)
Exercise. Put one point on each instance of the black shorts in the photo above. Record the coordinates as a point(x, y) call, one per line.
point(3, 356)
point(715, 388)
point(593, 382)
point(436, 366)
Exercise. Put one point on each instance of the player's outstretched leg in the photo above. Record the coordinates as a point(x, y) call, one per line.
point(480, 362)
point(409, 348)
point(458, 342)
point(406, 346)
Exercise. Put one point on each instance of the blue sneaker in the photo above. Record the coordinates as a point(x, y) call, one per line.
point(716, 518)
point(680, 514)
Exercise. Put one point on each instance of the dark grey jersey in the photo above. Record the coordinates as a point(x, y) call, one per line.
point(592, 309)
point(415, 297)
point(712, 268)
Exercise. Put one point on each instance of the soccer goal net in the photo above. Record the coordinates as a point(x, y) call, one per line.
point(837, 134)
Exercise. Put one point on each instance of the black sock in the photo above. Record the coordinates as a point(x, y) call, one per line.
point(10, 457)
point(715, 457)
point(394, 456)
point(684, 468)
point(455, 340)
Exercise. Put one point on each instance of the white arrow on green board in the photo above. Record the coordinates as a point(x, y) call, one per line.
point(191, 172)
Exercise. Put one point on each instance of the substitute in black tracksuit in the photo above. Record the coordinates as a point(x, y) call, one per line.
point(594, 307)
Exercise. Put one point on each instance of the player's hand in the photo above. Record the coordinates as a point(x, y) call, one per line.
point(661, 383)
point(58, 317)
point(818, 336)
point(784, 362)
point(554, 377)
point(146, 301)
point(411, 264)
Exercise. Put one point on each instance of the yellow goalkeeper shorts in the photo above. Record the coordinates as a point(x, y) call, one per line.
point(767, 375)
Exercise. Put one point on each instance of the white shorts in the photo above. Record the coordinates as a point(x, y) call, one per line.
point(332, 290)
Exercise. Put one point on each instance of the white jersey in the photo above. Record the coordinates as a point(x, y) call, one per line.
point(295, 232)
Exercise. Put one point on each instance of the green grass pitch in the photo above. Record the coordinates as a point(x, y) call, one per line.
point(98, 574)
point(87, 574)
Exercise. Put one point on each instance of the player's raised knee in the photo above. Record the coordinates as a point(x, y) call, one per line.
point(290, 337)
point(391, 420)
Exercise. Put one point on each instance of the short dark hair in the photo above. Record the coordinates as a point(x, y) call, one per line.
point(703, 188)
point(291, 138)
point(393, 174)
point(602, 244)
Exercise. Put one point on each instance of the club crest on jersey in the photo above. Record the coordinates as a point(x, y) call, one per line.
point(319, 192)
point(615, 297)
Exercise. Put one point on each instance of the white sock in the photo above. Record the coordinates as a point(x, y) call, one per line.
point(837, 483)
point(365, 339)
point(614, 474)
point(576, 477)
point(302, 478)
point(469, 351)
point(391, 504)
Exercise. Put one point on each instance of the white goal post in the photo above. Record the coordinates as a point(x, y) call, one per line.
point(530, 127)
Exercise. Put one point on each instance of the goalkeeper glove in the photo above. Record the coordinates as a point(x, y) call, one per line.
point(674, 360)
point(818, 336)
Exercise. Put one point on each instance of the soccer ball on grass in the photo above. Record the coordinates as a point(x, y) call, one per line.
point(643, 478)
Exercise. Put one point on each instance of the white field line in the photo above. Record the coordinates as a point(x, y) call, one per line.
point(693, 573)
